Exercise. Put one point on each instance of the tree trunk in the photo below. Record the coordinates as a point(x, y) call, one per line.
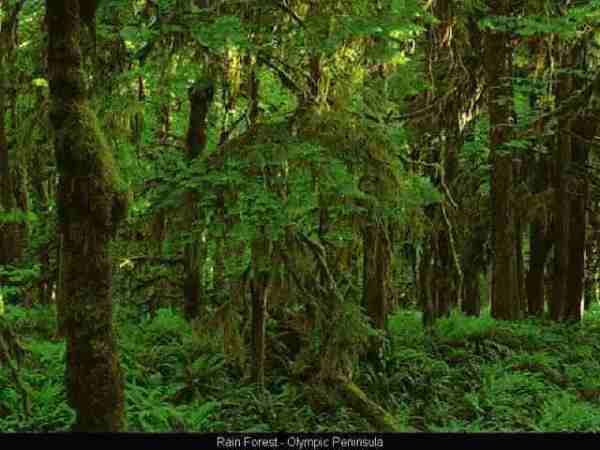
point(89, 210)
point(426, 292)
point(539, 248)
point(377, 274)
point(472, 266)
point(10, 248)
point(498, 68)
point(260, 284)
point(577, 239)
point(562, 200)
point(201, 96)
point(471, 302)
point(583, 131)
point(378, 417)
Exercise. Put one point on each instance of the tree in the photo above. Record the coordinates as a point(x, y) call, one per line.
point(11, 239)
point(498, 69)
point(90, 205)
point(201, 96)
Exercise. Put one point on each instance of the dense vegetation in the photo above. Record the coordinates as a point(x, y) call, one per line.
point(299, 215)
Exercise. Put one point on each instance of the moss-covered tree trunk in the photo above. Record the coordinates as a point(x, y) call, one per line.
point(7, 202)
point(89, 209)
point(11, 237)
point(201, 96)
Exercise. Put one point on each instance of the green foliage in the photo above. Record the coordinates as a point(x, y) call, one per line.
point(565, 412)
point(460, 327)
point(489, 375)
point(177, 380)
point(355, 106)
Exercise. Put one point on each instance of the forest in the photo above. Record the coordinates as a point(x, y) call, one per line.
point(299, 216)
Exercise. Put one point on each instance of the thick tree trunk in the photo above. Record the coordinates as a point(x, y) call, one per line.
point(377, 274)
point(520, 270)
point(539, 248)
point(471, 302)
point(449, 277)
point(201, 96)
point(473, 266)
point(89, 209)
point(562, 201)
point(540, 243)
point(583, 132)
point(498, 68)
point(577, 238)
point(10, 250)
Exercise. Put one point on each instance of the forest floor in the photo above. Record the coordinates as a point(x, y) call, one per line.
point(468, 375)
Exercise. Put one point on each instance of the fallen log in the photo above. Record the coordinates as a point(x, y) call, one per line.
point(378, 417)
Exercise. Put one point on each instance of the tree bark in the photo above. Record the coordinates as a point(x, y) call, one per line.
point(472, 266)
point(11, 243)
point(583, 132)
point(539, 248)
point(498, 68)
point(260, 287)
point(562, 200)
point(89, 210)
point(201, 96)
point(377, 274)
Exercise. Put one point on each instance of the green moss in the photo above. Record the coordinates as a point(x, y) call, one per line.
point(88, 153)
point(84, 156)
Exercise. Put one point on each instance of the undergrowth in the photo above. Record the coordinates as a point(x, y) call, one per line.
point(466, 374)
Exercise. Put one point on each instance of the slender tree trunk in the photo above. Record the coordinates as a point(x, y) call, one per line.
point(89, 210)
point(589, 284)
point(61, 311)
point(260, 287)
point(426, 294)
point(443, 274)
point(39, 185)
